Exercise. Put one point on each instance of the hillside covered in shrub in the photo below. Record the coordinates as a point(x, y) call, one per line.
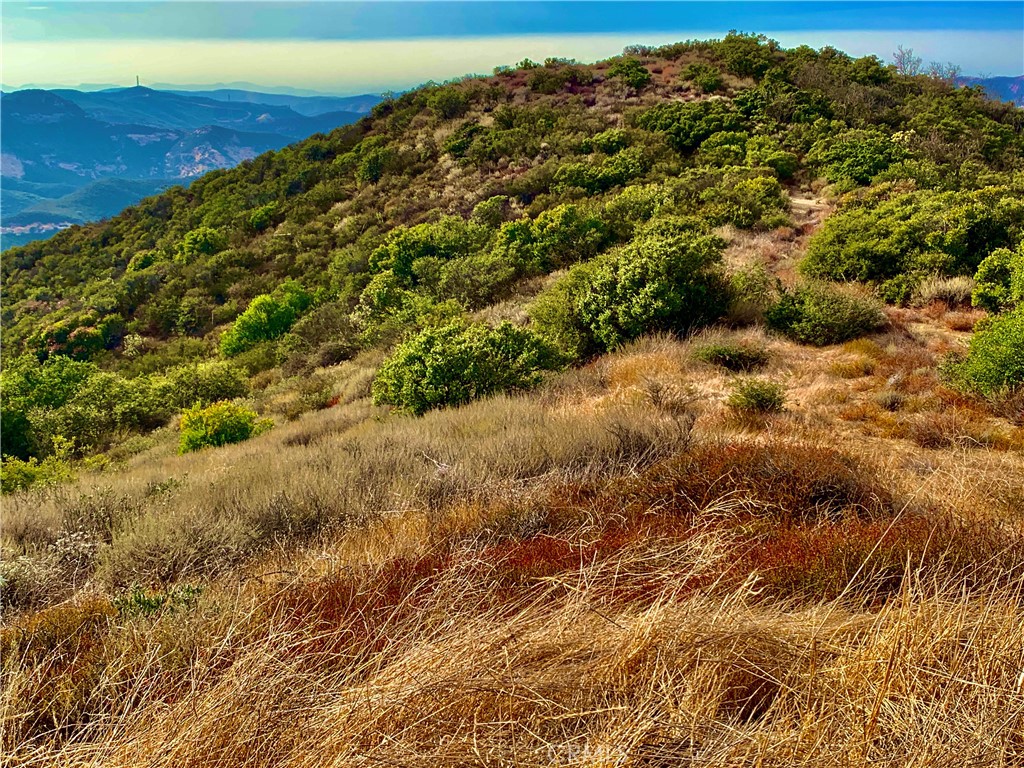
point(662, 411)
point(602, 190)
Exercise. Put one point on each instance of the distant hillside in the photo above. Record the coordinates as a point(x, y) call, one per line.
point(1001, 88)
point(304, 105)
point(45, 216)
point(57, 142)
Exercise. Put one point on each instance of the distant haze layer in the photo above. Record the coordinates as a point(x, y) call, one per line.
point(351, 66)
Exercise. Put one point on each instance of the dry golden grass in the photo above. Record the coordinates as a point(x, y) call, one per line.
point(609, 571)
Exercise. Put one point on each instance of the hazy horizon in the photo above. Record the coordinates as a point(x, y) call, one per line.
point(340, 48)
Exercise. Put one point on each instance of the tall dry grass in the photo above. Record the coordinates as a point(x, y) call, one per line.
point(606, 572)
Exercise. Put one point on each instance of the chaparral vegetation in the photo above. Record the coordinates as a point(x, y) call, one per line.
point(667, 410)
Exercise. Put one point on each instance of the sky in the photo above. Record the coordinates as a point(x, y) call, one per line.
point(356, 47)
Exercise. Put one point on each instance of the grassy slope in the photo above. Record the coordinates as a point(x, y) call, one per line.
point(614, 571)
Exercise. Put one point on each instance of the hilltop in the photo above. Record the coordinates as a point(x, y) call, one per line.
point(664, 410)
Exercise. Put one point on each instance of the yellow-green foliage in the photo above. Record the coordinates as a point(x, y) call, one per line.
point(218, 424)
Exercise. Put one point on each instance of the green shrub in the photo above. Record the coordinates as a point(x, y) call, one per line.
point(205, 383)
point(448, 103)
point(558, 237)
point(17, 475)
point(450, 237)
point(764, 151)
point(738, 358)
point(268, 317)
point(995, 359)
point(631, 72)
point(217, 424)
point(688, 124)
point(945, 233)
point(820, 314)
point(756, 397)
point(1000, 280)
point(454, 364)
point(667, 282)
point(203, 241)
point(743, 200)
point(705, 78)
point(856, 155)
point(327, 326)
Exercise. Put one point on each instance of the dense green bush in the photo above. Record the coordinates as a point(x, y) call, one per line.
point(705, 78)
point(820, 314)
point(18, 474)
point(668, 281)
point(856, 155)
point(915, 234)
point(764, 151)
point(456, 363)
point(735, 357)
point(560, 236)
point(688, 124)
point(631, 72)
point(448, 103)
point(218, 424)
point(205, 383)
point(1000, 280)
point(995, 359)
point(64, 399)
point(745, 201)
point(450, 237)
point(268, 317)
point(203, 241)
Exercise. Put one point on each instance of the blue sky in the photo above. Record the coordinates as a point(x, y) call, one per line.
point(345, 47)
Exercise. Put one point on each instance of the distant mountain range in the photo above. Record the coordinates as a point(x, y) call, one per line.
point(71, 156)
point(1001, 88)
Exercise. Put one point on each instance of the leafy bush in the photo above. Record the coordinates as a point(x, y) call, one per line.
point(203, 241)
point(387, 310)
point(756, 397)
point(217, 424)
point(920, 233)
point(448, 103)
point(560, 236)
point(667, 282)
point(631, 72)
point(62, 398)
point(744, 200)
point(764, 151)
point(705, 78)
point(205, 383)
point(819, 314)
point(856, 155)
point(448, 238)
point(16, 474)
point(1000, 280)
point(328, 331)
point(594, 177)
point(738, 358)
point(995, 359)
point(454, 364)
point(268, 317)
point(688, 124)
